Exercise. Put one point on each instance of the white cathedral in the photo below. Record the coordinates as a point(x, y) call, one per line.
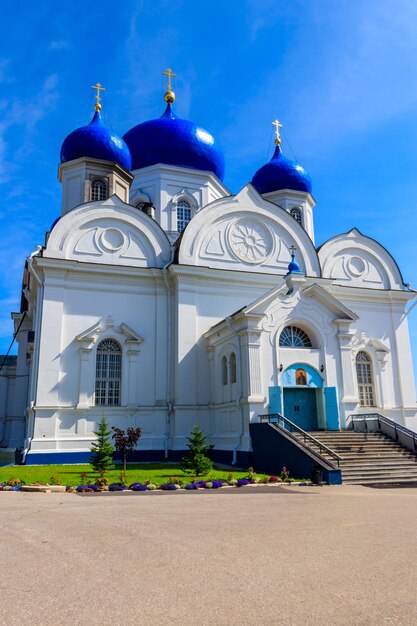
point(163, 301)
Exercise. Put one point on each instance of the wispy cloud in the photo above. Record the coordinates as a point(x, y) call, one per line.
point(329, 88)
point(24, 117)
point(4, 71)
point(59, 44)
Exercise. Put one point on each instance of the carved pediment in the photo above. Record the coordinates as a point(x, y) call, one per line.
point(107, 328)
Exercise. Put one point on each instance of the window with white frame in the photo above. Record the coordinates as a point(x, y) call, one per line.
point(108, 373)
point(294, 337)
point(183, 214)
point(365, 379)
point(232, 367)
point(297, 214)
point(98, 189)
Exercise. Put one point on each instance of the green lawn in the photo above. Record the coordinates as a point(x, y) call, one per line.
point(157, 473)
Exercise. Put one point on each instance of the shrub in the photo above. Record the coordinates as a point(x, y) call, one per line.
point(174, 480)
point(150, 486)
point(101, 480)
point(138, 487)
point(117, 487)
point(14, 482)
point(195, 460)
point(274, 479)
point(169, 487)
point(285, 475)
point(83, 489)
point(102, 450)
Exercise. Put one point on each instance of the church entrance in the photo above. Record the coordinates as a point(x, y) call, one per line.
point(300, 407)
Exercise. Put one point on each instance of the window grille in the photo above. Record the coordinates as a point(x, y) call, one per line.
point(294, 337)
point(232, 367)
point(98, 189)
point(183, 214)
point(224, 371)
point(365, 379)
point(297, 214)
point(108, 373)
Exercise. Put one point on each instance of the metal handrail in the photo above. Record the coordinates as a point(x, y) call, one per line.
point(381, 419)
point(293, 427)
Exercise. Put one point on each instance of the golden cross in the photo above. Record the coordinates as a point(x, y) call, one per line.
point(99, 88)
point(277, 125)
point(170, 74)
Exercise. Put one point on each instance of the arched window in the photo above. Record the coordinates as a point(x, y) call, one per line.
point(98, 189)
point(183, 214)
point(297, 214)
point(224, 371)
point(300, 377)
point(108, 372)
point(365, 379)
point(294, 337)
point(232, 367)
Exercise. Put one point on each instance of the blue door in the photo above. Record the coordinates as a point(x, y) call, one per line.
point(300, 407)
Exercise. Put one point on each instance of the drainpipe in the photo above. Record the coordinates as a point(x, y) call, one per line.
point(33, 383)
point(239, 399)
point(168, 377)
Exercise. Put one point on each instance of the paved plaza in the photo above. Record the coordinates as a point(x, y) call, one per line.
point(255, 556)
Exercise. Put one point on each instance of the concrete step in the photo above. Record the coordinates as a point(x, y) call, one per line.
point(380, 481)
point(368, 457)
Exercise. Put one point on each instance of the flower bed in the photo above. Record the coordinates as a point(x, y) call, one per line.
point(174, 483)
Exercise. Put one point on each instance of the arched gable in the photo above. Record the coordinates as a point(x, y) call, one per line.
point(113, 233)
point(246, 233)
point(358, 261)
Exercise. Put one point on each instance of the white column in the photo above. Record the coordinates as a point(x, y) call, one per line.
point(86, 385)
point(133, 377)
point(350, 392)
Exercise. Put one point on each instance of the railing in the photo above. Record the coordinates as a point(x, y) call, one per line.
point(280, 420)
point(381, 421)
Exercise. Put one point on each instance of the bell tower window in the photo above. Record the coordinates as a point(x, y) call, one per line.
point(297, 214)
point(183, 214)
point(98, 189)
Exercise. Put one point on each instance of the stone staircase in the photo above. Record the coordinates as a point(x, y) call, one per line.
point(368, 457)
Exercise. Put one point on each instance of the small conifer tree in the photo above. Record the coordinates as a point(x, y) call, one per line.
point(195, 460)
point(102, 450)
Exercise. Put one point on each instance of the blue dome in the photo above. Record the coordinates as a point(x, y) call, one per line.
point(281, 173)
point(293, 267)
point(96, 141)
point(174, 141)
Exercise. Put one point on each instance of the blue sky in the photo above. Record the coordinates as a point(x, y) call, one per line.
point(340, 75)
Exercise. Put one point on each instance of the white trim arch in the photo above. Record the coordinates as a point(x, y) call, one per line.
point(356, 260)
point(215, 235)
point(114, 233)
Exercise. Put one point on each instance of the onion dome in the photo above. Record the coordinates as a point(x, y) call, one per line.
point(96, 141)
point(174, 141)
point(280, 172)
